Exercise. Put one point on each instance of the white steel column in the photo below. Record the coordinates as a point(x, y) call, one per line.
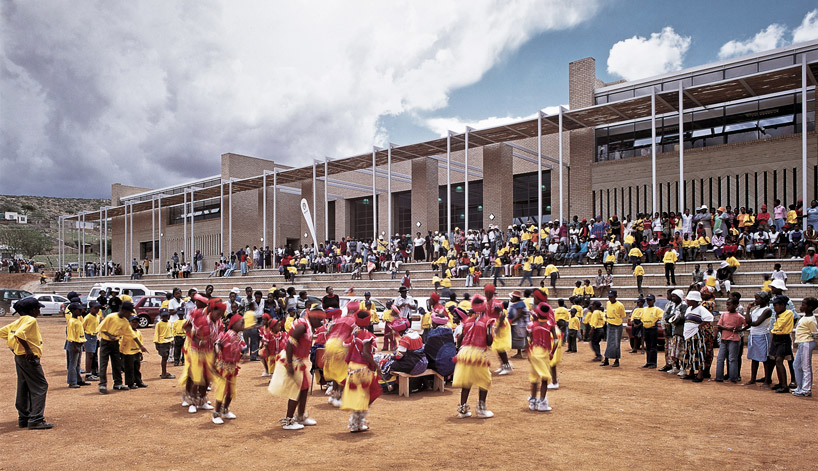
point(326, 200)
point(230, 217)
point(159, 255)
point(130, 234)
point(221, 216)
point(466, 183)
point(560, 157)
point(82, 242)
point(125, 235)
point(275, 211)
point(539, 178)
point(449, 184)
point(264, 210)
point(184, 222)
point(153, 235)
point(389, 190)
point(804, 133)
point(192, 243)
point(79, 249)
point(374, 199)
point(99, 271)
point(681, 150)
point(314, 192)
point(653, 148)
point(106, 241)
point(59, 242)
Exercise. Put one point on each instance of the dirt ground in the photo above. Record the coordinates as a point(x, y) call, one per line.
point(26, 281)
point(602, 419)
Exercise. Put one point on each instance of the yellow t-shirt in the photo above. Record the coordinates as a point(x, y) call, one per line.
point(526, 236)
point(629, 239)
point(426, 321)
point(806, 327)
point(165, 304)
point(638, 271)
point(783, 323)
point(589, 290)
point(792, 217)
point(650, 316)
point(733, 262)
point(710, 281)
point(74, 332)
point(573, 323)
point(637, 313)
point(614, 313)
point(464, 305)
point(610, 258)
point(25, 328)
point(373, 316)
point(579, 291)
point(125, 297)
point(562, 314)
point(90, 324)
point(549, 269)
point(766, 286)
point(288, 324)
point(163, 332)
point(634, 252)
point(446, 282)
point(527, 265)
point(596, 319)
point(128, 346)
point(670, 257)
point(498, 262)
point(249, 319)
point(538, 260)
point(179, 328)
point(114, 327)
point(435, 279)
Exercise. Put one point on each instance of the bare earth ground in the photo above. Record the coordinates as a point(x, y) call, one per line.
point(25, 281)
point(602, 419)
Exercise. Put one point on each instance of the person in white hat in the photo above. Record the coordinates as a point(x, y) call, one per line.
point(698, 335)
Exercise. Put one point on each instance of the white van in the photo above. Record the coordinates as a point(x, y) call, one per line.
point(137, 290)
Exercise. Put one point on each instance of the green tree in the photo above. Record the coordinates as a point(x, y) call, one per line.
point(28, 242)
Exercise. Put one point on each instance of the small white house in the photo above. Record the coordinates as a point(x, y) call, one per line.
point(17, 217)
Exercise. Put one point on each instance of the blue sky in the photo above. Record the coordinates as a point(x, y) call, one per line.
point(151, 93)
point(536, 75)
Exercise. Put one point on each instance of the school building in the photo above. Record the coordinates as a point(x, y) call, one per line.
point(615, 150)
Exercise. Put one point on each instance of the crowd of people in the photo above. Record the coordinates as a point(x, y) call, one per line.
point(208, 337)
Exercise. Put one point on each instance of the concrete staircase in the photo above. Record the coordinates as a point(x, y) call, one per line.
point(748, 279)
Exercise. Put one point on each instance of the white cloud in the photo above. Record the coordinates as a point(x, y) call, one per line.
point(640, 57)
point(150, 93)
point(808, 29)
point(442, 125)
point(769, 38)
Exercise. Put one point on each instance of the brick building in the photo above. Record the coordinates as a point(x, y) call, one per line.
point(743, 146)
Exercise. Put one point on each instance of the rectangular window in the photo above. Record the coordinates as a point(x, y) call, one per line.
point(402, 212)
point(331, 220)
point(709, 77)
point(526, 197)
point(458, 205)
point(202, 210)
point(361, 218)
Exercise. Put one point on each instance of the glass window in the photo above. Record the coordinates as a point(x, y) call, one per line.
point(674, 84)
point(741, 70)
point(361, 218)
point(526, 197)
point(202, 210)
point(708, 77)
point(620, 96)
point(601, 99)
point(776, 63)
point(601, 144)
point(458, 205)
point(402, 207)
point(642, 91)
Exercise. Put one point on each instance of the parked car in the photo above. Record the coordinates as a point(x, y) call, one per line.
point(10, 296)
point(147, 309)
point(137, 290)
point(54, 303)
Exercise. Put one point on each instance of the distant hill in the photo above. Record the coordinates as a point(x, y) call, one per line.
point(43, 213)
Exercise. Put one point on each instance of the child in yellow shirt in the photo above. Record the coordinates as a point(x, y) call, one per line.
point(178, 342)
point(573, 331)
point(75, 335)
point(132, 356)
point(639, 273)
point(163, 340)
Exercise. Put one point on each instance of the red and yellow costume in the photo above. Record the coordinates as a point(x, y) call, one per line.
point(230, 345)
point(471, 366)
point(541, 346)
point(272, 344)
point(290, 386)
point(361, 388)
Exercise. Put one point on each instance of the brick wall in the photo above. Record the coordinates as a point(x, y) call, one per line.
point(581, 83)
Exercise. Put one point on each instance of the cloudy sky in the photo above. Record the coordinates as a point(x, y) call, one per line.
point(150, 93)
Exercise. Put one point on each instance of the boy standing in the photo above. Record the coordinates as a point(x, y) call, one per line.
point(130, 349)
point(163, 339)
point(75, 335)
point(573, 330)
point(178, 341)
point(805, 335)
point(25, 341)
point(112, 330)
point(90, 325)
point(650, 316)
point(614, 316)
